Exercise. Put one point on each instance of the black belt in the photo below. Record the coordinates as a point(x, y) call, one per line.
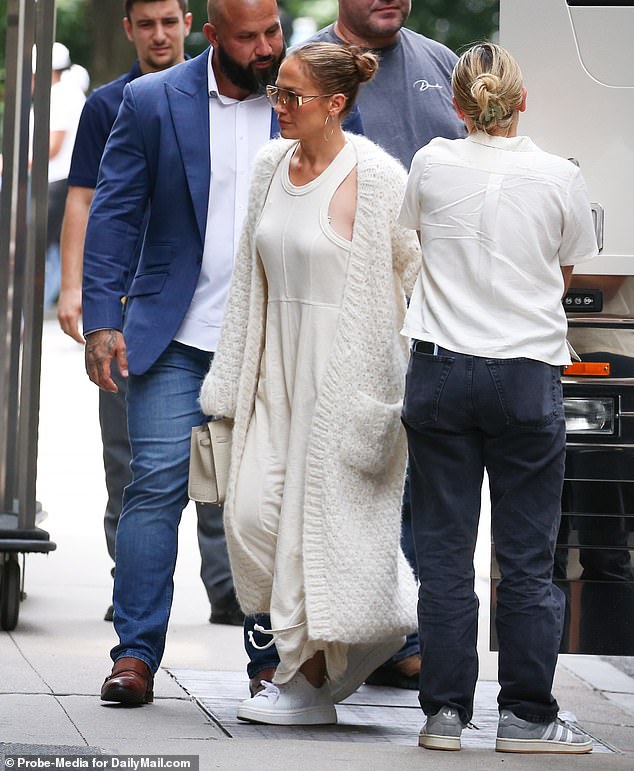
point(423, 346)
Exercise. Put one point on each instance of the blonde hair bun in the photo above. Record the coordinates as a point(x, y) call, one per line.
point(487, 85)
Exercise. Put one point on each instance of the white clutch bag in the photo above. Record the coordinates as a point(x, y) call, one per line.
point(210, 455)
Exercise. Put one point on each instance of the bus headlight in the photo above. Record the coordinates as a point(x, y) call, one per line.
point(589, 416)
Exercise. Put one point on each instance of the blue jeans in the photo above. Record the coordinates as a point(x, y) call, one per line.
point(463, 414)
point(162, 409)
point(214, 560)
point(52, 275)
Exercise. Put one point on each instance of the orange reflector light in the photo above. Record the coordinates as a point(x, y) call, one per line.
point(588, 368)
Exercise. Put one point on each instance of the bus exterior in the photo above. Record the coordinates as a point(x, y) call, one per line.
point(577, 59)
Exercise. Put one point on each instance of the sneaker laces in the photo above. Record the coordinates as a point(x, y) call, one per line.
point(272, 632)
point(269, 691)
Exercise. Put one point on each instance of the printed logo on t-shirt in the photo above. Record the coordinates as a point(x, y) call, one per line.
point(425, 85)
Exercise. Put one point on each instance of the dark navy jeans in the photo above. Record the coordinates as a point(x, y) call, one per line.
point(463, 414)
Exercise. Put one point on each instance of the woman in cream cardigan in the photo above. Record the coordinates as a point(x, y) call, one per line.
point(311, 366)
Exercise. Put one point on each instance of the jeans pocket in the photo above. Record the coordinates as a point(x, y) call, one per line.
point(529, 391)
point(426, 378)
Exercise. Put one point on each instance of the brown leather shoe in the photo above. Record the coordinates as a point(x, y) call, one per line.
point(255, 683)
point(130, 682)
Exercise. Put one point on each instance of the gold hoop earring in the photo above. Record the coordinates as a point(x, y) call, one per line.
point(332, 128)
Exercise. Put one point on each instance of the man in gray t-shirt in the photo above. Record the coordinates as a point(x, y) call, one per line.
point(408, 102)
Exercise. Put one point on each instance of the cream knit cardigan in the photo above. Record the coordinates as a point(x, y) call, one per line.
point(358, 585)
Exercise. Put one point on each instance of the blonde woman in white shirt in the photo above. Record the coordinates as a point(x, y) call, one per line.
point(501, 225)
point(311, 365)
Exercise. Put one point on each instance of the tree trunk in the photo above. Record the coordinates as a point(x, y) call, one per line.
point(113, 53)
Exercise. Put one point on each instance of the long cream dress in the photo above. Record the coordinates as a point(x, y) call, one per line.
point(305, 262)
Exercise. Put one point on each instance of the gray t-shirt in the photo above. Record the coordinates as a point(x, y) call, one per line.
point(408, 102)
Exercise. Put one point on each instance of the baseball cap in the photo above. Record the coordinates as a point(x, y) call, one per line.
point(60, 57)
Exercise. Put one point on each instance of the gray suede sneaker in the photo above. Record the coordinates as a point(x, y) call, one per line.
point(442, 730)
point(517, 735)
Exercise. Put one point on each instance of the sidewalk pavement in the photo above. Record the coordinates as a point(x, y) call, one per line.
point(52, 665)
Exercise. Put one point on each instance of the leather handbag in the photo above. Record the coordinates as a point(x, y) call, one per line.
point(210, 455)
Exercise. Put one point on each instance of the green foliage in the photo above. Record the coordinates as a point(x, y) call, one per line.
point(323, 11)
point(73, 29)
point(197, 42)
point(456, 23)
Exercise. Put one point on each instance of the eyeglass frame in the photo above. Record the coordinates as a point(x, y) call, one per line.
point(300, 99)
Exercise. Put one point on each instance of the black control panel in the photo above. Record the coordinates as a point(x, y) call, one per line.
point(575, 3)
point(583, 301)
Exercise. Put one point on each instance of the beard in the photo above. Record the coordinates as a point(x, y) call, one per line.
point(252, 80)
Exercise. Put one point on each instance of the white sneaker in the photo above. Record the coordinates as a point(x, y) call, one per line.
point(294, 703)
point(362, 661)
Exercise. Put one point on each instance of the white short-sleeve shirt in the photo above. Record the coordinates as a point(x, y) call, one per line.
point(497, 218)
point(67, 102)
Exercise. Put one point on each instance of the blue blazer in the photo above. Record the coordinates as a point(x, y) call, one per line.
point(157, 162)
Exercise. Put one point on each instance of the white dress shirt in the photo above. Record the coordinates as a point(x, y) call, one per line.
point(237, 130)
